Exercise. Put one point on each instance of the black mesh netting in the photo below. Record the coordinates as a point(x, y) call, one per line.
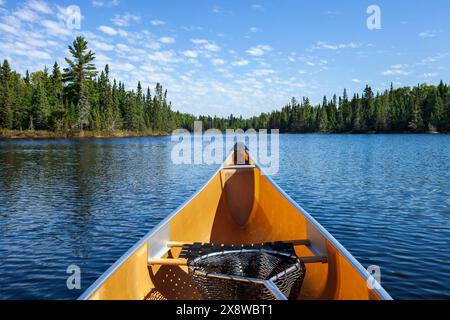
point(218, 275)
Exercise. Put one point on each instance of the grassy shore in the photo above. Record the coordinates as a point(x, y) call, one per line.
point(29, 134)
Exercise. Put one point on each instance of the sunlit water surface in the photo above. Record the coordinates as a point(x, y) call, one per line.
point(386, 198)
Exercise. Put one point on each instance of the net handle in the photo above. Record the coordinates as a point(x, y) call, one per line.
point(168, 262)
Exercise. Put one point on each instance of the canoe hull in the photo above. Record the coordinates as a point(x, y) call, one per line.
point(237, 206)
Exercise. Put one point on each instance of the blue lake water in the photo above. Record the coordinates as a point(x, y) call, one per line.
point(386, 198)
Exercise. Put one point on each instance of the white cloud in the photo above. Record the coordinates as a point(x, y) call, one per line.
point(212, 47)
point(314, 61)
point(26, 14)
point(8, 28)
point(25, 50)
point(206, 45)
point(123, 47)
point(41, 43)
point(257, 7)
point(397, 66)
point(429, 60)
point(218, 62)
point(157, 22)
point(125, 19)
point(356, 80)
point(427, 34)
point(126, 67)
point(434, 58)
point(104, 3)
point(39, 6)
point(199, 41)
point(253, 29)
point(37, 54)
point(108, 30)
point(56, 29)
point(2, 2)
point(216, 9)
point(192, 28)
point(332, 13)
point(291, 59)
point(430, 75)
point(396, 70)
point(338, 46)
point(263, 72)
point(153, 45)
point(101, 45)
point(167, 40)
point(13, 22)
point(101, 58)
point(259, 50)
point(390, 72)
point(190, 53)
point(240, 63)
point(163, 57)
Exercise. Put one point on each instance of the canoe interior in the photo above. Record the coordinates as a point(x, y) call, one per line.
point(237, 206)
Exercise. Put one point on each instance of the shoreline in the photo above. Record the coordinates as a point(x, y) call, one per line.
point(28, 134)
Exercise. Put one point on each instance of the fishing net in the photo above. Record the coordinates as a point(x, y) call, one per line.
point(246, 273)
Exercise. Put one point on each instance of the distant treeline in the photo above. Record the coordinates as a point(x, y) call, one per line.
point(425, 108)
point(79, 98)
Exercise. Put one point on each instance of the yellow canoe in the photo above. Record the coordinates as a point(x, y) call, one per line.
point(238, 205)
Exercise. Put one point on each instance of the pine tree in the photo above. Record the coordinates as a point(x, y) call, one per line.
point(117, 120)
point(437, 117)
point(40, 108)
point(368, 110)
point(138, 113)
point(80, 70)
point(148, 109)
point(106, 108)
point(446, 118)
point(6, 114)
point(323, 120)
point(130, 111)
point(56, 99)
point(346, 113)
point(157, 108)
point(416, 121)
point(332, 114)
point(380, 117)
point(358, 125)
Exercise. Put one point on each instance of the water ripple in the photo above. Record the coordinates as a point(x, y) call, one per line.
point(85, 202)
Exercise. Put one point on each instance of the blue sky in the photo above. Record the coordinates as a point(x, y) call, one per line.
point(240, 57)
